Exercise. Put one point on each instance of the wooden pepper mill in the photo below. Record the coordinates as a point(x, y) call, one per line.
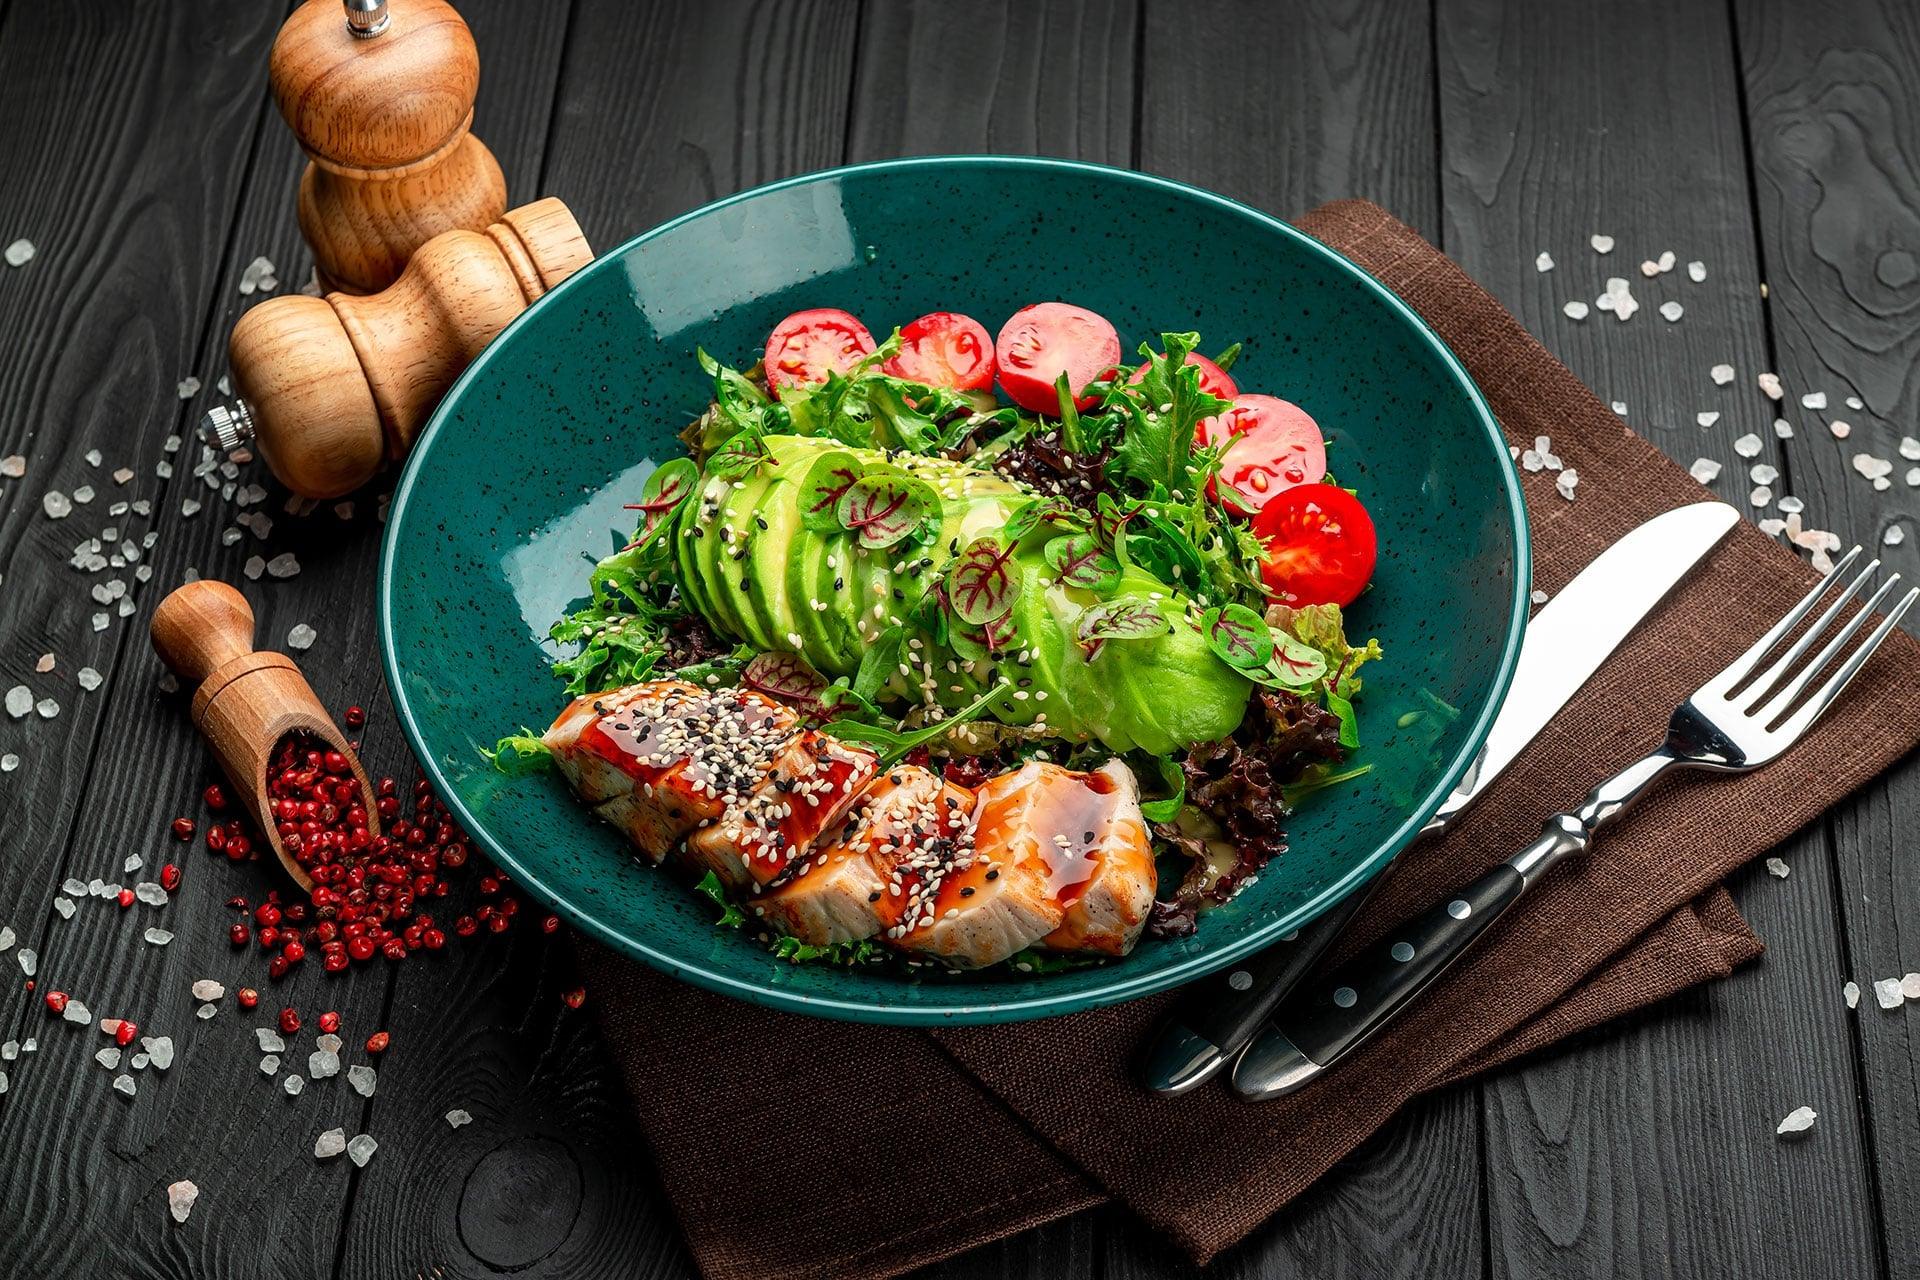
point(247, 701)
point(333, 389)
point(382, 103)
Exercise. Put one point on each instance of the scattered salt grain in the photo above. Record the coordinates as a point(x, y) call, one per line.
point(1789, 505)
point(13, 466)
point(344, 510)
point(159, 1049)
point(258, 275)
point(1763, 473)
point(1770, 383)
point(88, 679)
point(150, 893)
point(1538, 596)
point(331, 1043)
point(108, 1057)
point(1706, 419)
point(253, 568)
point(1872, 468)
point(1544, 262)
point(1566, 482)
point(1601, 244)
point(29, 963)
point(6, 938)
point(208, 989)
point(1747, 446)
point(1782, 429)
point(458, 1117)
point(1575, 310)
point(293, 1085)
point(1671, 311)
point(65, 907)
point(269, 1064)
point(1798, 1120)
point(1852, 993)
point(329, 1144)
point(1913, 477)
point(1722, 374)
point(124, 1084)
point(19, 701)
point(83, 494)
point(9, 1051)
point(1910, 986)
point(158, 937)
point(1841, 430)
point(269, 1040)
point(363, 1080)
point(322, 1065)
point(361, 1149)
point(1814, 400)
point(188, 388)
point(1649, 268)
point(1696, 271)
point(180, 1198)
point(1618, 298)
point(20, 253)
point(1894, 536)
point(1778, 868)
point(1887, 991)
point(205, 1011)
point(284, 565)
point(56, 504)
point(1620, 407)
point(301, 636)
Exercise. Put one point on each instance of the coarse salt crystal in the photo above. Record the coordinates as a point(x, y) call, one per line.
point(1814, 400)
point(1778, 868)
point(1707, 419)
point(29, 962)
point(458, 1117)
point(1770, 383)
point(270, 1064)
point(321, 1065)
point(65, 907)
point(1747, 446)
point(1566, 482)
point(1544, 262)
point(108, 1057)
point(158, 937)
point(1871, 467)
point(1798, 1120)
point(1696, 271)
point(1763, 473)
point(1760, 496)
point(1538, 596)
point(1910, 986)
point(1575, 310)
point(13, 466)
point(1649, 268)
point(1841, 430)
point(330, 1144)
point(208, 989)
point(77, 1012)
point(361, 1148)
point(293, 1085)
point(328, 1041)
point(159, 1050)
point(1601, 244)
point(188, 388)
point(19, 701)
point(1671, 311)
point(1852, 993)
point(1620, 407)
point(1722, 374)
point(301, 636)
point(56, 504)
point(284, 565)
point(1888, 993)
point(269, 1040)
point(363, 1080)
point(1783, 429)
point(124, 1084)
point(1894, 536)
point(180, 1198)
point(88, 678)
point(253, 568)
point(20, 253)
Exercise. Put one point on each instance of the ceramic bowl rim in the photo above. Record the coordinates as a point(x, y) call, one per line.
point(981, 1006)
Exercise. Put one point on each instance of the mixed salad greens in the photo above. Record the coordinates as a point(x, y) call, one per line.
point(1127, 559)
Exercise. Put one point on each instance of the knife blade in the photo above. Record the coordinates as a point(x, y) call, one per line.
point(1566, 642)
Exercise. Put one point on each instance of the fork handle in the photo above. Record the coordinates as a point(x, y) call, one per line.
point(1325, 1020)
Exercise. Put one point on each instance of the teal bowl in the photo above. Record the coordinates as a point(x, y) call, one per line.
point(516, 487)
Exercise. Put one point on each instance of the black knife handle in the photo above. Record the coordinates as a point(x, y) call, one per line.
point(1215, 1017)
point(1346, 1006)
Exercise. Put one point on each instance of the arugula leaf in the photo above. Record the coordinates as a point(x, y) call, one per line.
point(1162, 412)
point(731, 916)
point(878, 663)
point(1174, 778)
point(519, 754)
point(894, 743)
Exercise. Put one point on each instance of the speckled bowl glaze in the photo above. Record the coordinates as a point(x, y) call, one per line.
point(516, 487)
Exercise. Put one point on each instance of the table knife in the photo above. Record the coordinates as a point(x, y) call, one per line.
point(1565, 643)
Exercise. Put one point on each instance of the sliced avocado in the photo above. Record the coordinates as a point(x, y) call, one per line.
point(774, 528)
point(732, 578)
point(699, 561)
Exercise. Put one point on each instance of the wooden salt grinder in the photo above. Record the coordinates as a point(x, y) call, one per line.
point(382, 103)
point(333, 389)
point(247, 701)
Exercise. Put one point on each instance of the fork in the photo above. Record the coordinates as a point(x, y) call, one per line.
point(1736, 722)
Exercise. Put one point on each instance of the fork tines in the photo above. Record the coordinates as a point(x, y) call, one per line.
point(1769, 695)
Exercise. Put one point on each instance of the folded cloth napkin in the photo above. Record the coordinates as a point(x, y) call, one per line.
point(797, 1147)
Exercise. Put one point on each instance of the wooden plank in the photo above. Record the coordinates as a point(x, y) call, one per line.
point(1652, 1149)
point(551, 1179)
point(1835, 135)
point(1011, 78)
point(1343, 107)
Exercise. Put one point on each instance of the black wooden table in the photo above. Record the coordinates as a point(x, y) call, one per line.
point(1777, 142)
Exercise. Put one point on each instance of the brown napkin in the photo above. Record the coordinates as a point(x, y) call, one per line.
point(797, 1147)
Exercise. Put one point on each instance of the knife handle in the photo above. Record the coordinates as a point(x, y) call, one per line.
point(1316, 1027)
point(1216, 1017)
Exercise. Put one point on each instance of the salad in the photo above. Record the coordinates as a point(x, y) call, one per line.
point(970, 648)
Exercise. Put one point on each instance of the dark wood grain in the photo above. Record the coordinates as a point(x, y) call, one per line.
point(1596, 1164)
point(1335, 100)
point(1835, 136)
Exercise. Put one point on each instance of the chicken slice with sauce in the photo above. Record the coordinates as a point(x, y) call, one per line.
point(771, 823)
point(837, 894)
point(1105, 876)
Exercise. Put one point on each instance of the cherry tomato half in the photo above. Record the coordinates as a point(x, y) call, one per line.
point(1213, 379)
point(1047, 339)
point(944, 349)
point(1320, 545)
point(804, 346)
point(1272, 445)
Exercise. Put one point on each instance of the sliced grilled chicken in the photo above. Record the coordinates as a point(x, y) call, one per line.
point(777, 808)
point(1104, 875)
point(838, 892)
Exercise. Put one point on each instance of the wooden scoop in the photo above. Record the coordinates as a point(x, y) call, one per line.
point(247, 700)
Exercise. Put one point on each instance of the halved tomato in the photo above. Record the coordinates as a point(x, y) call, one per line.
point(1213, 379)
point(944, 349)
point(1272, 445)
point(803, 347)
point(1320, 545)
point(1047, 339)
